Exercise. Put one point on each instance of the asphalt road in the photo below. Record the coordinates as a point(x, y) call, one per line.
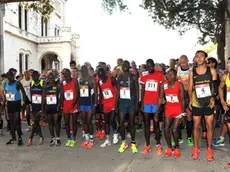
point(43, 158)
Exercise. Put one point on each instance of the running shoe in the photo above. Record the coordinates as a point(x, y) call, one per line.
point(177, 153)
point(204, 135)
point(105, 144)
point(122, 148)
point(151, 129)
point(209, 155)
point(58, 142)
point(43, 123)
point(218, 142)
point(85, 144)
point(159, 150)
point(228, 164)
point(52, 142)
point(29, 143)
point(115, 138)
point(169, 152)
point(72, 144)
point(146, 150)
point(102, 136)
point(23, 119)
point(134, 148)
point(195, 154)
point(139, 129)
point(11, 141)
point(68, 143)
point(29, 129)
point(41, 140)
point(189, 141)
point(90, 145)
point(181, 141)
point(173, 143)
point(98, 134)
point(20, 142)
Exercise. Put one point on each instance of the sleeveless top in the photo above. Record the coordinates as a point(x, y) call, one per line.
point(52, 97)
point(36, 96)
point(86, 93)
point(202, 88)
point(227, 83)
point(11, 92)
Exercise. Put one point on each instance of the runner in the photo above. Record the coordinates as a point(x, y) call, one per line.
point(13, 100)
point(37, 104)
point(26, 82)
point(51, 96)
point(174, 108)
point(150, 96)
point(69, 95)
point(202, 89)
point(88, 98)
point(127, 96)
point(183, 77)
point(108, 91)
point(72, 64)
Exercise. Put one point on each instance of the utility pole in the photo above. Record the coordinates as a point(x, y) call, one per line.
point(2, 14)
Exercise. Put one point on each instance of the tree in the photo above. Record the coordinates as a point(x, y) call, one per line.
point(208, 16)
point(210, 49)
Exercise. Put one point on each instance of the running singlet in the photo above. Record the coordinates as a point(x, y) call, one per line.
point(182, 76)
point(202, 89)
point(11, 92)
point(227, 83)
point(109, 95)
point(152, 87)
point(36, 96)
point(127, 91)
point(26, 86)
point(173, 106)
point(70, 95)
point(86, 93)
point(51, 99)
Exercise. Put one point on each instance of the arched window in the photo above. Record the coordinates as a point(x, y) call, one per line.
point(20, 16)
point(20, 62)
point(26, 61)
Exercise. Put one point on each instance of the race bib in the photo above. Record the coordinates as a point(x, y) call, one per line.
point(107, 94)
point(84, 91)
point(165, 86)
point(51, 99)
point(172, 99)
point(68, 95)
point(36, 99)
point(125, 93)
point(151, 85)
point(203, 90)
point(10, 96)
point(228, 95)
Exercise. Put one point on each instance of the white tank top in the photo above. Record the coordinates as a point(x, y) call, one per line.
point(26, 86)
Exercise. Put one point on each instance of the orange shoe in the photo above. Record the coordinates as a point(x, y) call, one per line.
point(195, 154)
point(29, 143)
point(43, 124)
point(102, 136)
point(90, 145)
point(23, 118)
point(169, 152)
point(85, 144)
point(177, 153)
point(228, 164)
point(159, 150)
point(210, 155)
point(204, 135)
point(146, 150)
point(98, 134)
point(151, 129)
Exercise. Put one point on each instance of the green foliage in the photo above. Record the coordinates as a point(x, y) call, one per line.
point(111, 5)
point(210, 49)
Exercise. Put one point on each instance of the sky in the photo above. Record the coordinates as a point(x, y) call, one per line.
point(134, 36)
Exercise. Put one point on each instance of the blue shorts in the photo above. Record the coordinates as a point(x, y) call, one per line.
point(85, 108)
point(150, 108)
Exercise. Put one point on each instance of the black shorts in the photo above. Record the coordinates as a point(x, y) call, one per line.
point(205, 111)
point(99, 109)
point(227, 116)
point(14, 106)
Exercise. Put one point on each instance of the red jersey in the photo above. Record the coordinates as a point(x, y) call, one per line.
point(109, 95)
point(173, 106)
point(152, 87)
point(70, 95)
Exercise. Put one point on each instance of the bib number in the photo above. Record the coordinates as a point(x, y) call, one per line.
point(10, 96)
point(69, 95)
point(151, 86)
point(203, 90)
point(84, 91)
point(172, 99)
point(107, 94)
point(125, 93)
point(51, 99)
point(36, 99)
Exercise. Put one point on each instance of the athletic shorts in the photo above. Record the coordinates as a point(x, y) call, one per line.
point(150, 108)
point(51, 111)
point(227, 117)
point(85, 108)
point(14, 106)
point(205, 111)
point(99, 109)
point(126, 109)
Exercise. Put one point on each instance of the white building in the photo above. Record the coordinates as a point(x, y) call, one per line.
point(30, 43)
